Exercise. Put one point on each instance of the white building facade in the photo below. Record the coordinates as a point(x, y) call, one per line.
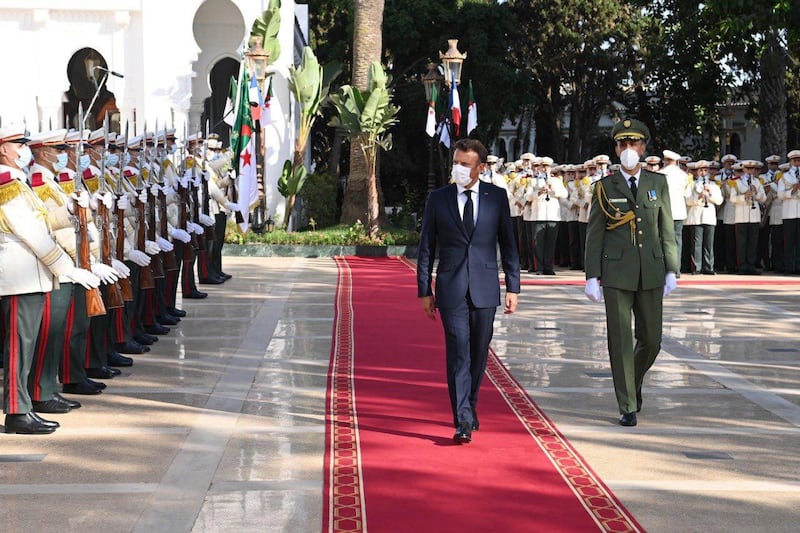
point(167, 51)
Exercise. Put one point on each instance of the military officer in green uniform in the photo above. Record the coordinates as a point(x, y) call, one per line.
point(631, 252)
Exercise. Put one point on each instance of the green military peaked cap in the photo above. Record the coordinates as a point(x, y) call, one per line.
point(630, 128)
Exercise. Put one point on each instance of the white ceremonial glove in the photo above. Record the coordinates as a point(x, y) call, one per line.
point(151, 248)
point(196, 181)
point(139, 258)
point(592, 290)
point(121, 268)
point(224, 182)
point(164, 244)
point(108, 200)
point(698, 186)
point(142, 196)
point(81, 200)
point(97, 198)
point(180, 235)
point(206, 220)
point(670, 283)
point(124, 203)
point(154, 189)
point(194, 228)
point(187, 177)
point(106, 274)
point(83, 277)
point(233, 207)
point(206, 176)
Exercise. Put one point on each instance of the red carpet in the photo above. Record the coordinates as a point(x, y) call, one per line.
point(390, 462)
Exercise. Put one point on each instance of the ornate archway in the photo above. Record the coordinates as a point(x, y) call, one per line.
point(85, 76)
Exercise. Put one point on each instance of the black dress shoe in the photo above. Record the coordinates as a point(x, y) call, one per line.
point(117, 359)
point(26, 424)
point(167, 320)
point(548, 273)
point(212, 281)
point(96, 384)
point(226, 276)
point(49, 423)
point(129, 347)
point(156, 329)
point(99, 373)
point(81, 387)
point(51, 406)
point(627, 419)
point(115, 371)
point(476, 425)
point(180, 313)
point(709, 273)
point(72, 403)
point(195, 295)
point(147, 338)
point(463, 434)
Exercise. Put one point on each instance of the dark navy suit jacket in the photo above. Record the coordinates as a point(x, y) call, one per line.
point(467, 262)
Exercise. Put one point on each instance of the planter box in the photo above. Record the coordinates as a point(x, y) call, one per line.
point(290, 250)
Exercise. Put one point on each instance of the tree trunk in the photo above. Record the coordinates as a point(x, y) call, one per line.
point(772, 98)
point(367, 48)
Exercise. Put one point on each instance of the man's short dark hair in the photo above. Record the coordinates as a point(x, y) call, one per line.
point(473, 145)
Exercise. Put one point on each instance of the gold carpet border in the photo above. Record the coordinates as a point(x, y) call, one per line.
point(346, 510)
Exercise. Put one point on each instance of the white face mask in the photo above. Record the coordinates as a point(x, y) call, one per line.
point(629, 158)
point(460, 175)
point(24, 157)
point(61, 162)
point(126, 159)
point(84, 162)
point(112, 160)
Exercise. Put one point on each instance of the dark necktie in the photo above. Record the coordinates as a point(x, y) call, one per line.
point(634, 188)
point(469, 223)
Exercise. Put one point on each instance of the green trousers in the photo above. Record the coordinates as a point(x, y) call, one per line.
point(22, 316)
point(629, 362)
point(42, 381)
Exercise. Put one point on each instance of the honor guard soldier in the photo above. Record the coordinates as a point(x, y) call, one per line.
point(29, 261)
point(678, 181)
point(631, 250)
point(653, 163)
point(746, 194)
point(188, 283)
point(789, 193)
point(701, 219)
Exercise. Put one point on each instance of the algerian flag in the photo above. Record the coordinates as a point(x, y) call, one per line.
point(430, 125)
point(229, 115)
point(244, 149)
point(455, 105)
point(255, 99)
point(472, 111)
point(266, 115)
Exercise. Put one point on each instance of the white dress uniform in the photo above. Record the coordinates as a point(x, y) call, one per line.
point(790, 199)
point(747, 217)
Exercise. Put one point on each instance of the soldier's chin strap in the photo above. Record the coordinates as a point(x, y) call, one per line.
point(614, 215)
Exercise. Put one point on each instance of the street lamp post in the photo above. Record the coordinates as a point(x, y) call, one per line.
point(257, 61)
point(433, 83)
point(452, 61)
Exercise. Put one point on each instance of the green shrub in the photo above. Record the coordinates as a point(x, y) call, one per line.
point(319, 199)
point(337, 235)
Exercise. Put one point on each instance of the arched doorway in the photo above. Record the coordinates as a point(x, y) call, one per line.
point(214, 106)
point(84, 79)
point(735, 145)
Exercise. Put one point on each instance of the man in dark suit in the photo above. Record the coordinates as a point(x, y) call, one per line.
point(631, 250)
point(467, 220)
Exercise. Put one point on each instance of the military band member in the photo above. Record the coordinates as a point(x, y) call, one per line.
point(789, 193)
point(701, 218)
point(678, 181)
point(573, 203)
point(770, 237)
point(746, 194)
point(653, 163)
point(731, 169)
point(545, 193)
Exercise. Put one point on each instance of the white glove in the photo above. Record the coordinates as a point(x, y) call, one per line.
point(206, 220)
point(139, 258)
point(187, 177)
point(151, 248)
point(164, 244)
point(106, 274)
point(698, 186)
point(180, 235)
point(196, 181)
point(143, 196)
point(124, 203)
point(81, 200)
point(121, 268)
point(592, 290)
point(167, 190)
point(194, 228)
point(206, 176)
point(233, 207)
point(83, 277)
point(154, 189)
point(670, 283)
point(108, 200)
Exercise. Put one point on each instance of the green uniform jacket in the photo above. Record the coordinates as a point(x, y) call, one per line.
point(642, 248)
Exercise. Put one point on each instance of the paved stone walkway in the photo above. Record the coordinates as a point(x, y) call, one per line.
point(221, 426)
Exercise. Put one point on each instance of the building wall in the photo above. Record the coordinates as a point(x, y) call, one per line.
point(165, 50)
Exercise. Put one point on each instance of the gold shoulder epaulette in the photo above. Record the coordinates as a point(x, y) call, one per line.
point(10, 190)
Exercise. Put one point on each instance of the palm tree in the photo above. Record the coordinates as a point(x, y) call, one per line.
point(367, 48)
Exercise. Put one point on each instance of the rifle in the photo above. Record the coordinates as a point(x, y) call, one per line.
point(119, 217)
point(145, 273)
point(206, 209)
point(156, 265)
point(94, 301)
point(114, 298)
point(195, 202)
point(170, 261)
